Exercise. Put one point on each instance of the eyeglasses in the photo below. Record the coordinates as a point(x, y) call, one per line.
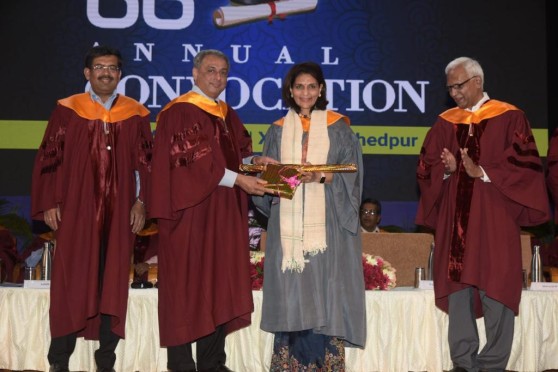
point(110, 68)
point(459, 86)
point(368, 212)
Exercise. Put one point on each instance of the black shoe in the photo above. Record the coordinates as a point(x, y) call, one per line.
point(458, 369)
point(221, 368)
point(105, 370)
point(58, 368)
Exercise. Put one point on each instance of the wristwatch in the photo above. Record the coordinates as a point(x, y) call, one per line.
point(322, 178)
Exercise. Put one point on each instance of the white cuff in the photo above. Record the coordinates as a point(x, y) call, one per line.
point(484, 177)
point(229, 178)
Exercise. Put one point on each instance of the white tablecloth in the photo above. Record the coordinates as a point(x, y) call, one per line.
point(405, 333)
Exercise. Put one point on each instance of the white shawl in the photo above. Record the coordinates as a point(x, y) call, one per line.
point(302, 219)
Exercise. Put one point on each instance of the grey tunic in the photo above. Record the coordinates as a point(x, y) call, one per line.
point(328, 296)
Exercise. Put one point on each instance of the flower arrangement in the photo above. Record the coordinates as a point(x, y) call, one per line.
point(257, 269)
point(378, 273)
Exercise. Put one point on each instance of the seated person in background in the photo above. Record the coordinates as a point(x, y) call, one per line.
point(370, 215)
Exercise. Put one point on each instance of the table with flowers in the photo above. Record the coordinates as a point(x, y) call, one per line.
point(405, 332)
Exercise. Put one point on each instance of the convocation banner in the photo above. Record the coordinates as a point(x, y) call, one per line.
point(383, 62)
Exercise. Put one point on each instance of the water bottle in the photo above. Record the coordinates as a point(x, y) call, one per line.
point(419, 276)
point(47, 261)
point(536, 268)
point(430, 272)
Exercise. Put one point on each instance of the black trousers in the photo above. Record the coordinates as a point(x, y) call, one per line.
point(210, 353)
point(61, 348)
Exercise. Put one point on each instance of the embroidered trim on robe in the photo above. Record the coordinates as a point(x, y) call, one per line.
point(191, 145)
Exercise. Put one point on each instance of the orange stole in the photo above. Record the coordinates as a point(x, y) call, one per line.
point(206, 104)
point(332, 117)
point(124, 108)
point(490, 109)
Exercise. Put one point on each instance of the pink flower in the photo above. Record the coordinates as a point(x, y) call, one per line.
point(293, 181)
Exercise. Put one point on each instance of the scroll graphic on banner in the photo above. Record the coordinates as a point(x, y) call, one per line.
point(235, 14)
point(285, 178)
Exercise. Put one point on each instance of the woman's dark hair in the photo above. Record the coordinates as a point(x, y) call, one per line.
point(100, 51)
point(315, 71)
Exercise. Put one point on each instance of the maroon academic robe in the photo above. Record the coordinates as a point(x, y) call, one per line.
point(95, 188)
point(552, 173)
point(203, 250)
point(478, 223)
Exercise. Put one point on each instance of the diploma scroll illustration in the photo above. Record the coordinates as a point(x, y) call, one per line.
point(231, 15)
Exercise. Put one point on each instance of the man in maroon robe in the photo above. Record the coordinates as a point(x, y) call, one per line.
point(96, 147)
point(549, 252)
point(480, 178)
point(552, 173)
point(202, 209)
